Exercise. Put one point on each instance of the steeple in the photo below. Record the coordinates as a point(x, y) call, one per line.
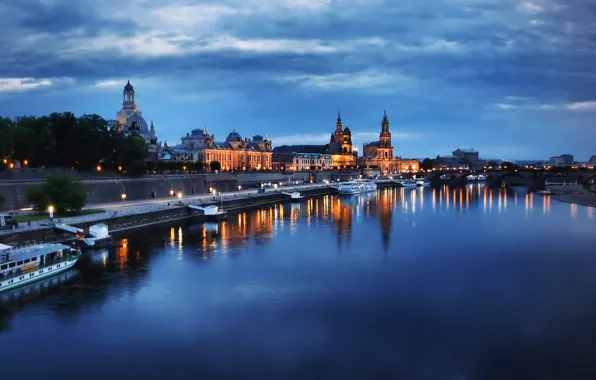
point(338, 126)
point(129, 96)
point(385, 123)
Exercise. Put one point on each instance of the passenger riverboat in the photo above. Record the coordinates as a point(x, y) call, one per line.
point(357, 187)
point(24, 265)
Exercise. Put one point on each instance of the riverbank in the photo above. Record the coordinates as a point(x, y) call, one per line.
point(140, 214)
point(582, 199)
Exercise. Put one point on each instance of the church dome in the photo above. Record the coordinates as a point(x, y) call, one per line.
point(234, 136)
point(347, 130)
point(128, 87)
point(136, 121)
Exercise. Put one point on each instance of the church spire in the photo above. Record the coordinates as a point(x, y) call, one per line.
point(338, 115)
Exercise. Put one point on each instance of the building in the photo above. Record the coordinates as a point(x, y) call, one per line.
point(235, 153)
point(340, 148)
point(301, 161)
point(562, 160)
point(463, 159)
point(592, 161)
point(129, 120)
point(380, 153)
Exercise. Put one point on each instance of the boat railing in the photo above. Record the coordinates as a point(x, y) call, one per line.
point(27, 248)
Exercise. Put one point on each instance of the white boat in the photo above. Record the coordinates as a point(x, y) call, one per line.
point(24, 265)
point(98, 237)
point(295, 196)
point(408, 183)
point(472, 177)
point(211, 212)
point(422, 182)
point(481, 177)
point(357, 187)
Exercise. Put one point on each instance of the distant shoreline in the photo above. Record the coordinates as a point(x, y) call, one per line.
point(582, 199)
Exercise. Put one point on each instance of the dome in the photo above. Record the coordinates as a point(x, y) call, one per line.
point(128, 87)
point(347, 130)
point(234, 136)
point(137, 120)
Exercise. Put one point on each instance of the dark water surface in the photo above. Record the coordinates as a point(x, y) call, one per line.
point(405, 284)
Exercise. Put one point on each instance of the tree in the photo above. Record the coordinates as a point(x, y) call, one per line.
point(132, 154)
point(215, 165)
point(2, 199)
point(60, 191)
point(6, 137)
point(427, 164)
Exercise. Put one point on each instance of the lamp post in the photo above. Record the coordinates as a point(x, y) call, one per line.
point(123, 195)
point(51, 211)
point(239, 187)
point(171, 187)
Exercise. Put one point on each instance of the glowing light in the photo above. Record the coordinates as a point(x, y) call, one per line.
point(98, 168)
point(123, 196)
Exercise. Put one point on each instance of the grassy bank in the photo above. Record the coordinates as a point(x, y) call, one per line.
point(36, 217)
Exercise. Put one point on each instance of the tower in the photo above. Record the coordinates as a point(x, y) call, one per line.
point(385, 150)
point(129, 96)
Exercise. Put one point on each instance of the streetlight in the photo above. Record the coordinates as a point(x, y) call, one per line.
point(51, 211)
point(98, 168)
point(179, 195)
point(239, 187)
point(214, 192)
point(123, 196)
point(172, 192)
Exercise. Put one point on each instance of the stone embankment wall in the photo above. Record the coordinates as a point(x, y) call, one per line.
point(122, 223)
point(110, 189)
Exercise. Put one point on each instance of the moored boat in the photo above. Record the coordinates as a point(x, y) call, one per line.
point(357, 187)
point(24, 265)
point(481, 177)
point(98, 237)
point(422, 182)
point(408, 183)
point(472, 177)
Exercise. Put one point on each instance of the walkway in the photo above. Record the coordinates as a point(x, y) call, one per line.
point(117, 209)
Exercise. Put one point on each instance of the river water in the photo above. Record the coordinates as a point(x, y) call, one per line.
point(402, 284)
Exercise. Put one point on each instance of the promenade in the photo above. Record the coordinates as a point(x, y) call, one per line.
point(137, 207)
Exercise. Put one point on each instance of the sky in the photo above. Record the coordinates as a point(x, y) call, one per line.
point(512, 79)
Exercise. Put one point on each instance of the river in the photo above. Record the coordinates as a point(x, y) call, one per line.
point(405, 284)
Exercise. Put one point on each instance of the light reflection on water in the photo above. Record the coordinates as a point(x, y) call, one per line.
point(422, 282)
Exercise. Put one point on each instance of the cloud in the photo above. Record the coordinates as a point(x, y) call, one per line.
point(22, 84)
point(351, 81)
point(323, 138)
point(529, 7)
point(110, 83)
point(577, 106)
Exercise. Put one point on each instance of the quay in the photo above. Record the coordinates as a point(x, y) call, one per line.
point(120, 216)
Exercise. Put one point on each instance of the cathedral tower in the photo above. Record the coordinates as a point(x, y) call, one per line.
point(385, 149)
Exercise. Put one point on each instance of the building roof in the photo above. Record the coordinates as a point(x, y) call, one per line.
point(300, 149)
point(140, 123)
point(28, 252)
point(234, 136)
point(466, 150)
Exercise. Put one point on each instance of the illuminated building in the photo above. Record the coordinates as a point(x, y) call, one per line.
point(235, 153)
point(380, 153)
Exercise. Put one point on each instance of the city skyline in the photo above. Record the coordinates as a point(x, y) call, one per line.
point(510, 79)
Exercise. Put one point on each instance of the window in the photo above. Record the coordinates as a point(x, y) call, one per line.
point(32, 274)
point(27, 260)
point(4, 266)
point(12, 265)
point(34, 258)
point(20, 262)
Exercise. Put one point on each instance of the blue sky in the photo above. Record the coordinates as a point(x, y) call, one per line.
point(513, 79)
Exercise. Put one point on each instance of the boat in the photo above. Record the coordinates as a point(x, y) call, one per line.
point(295, 196)
point(422, 182)
point(481, 177)
point(98, 237)
point(24, 265)
point(408, 183)
point(212, 213)
point(472, 177)
point(357, 187)
point(39, 287)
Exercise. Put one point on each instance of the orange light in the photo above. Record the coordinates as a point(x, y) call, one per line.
point(119, 168)
point(25, 162)
point(5, 160)
point(11, 165)
point(98, 168)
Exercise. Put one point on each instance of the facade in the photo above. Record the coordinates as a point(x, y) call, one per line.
point(562, 160)
point(301, 161)
point(592, 161)
point(340, 148)
point(380, 153)
point(462, 159)
point(235, 153)
point(129, 120)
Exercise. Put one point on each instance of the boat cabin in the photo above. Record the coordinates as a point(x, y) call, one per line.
point(15, 261)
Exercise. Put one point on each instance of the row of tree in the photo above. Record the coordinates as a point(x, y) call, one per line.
point(64, 140)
